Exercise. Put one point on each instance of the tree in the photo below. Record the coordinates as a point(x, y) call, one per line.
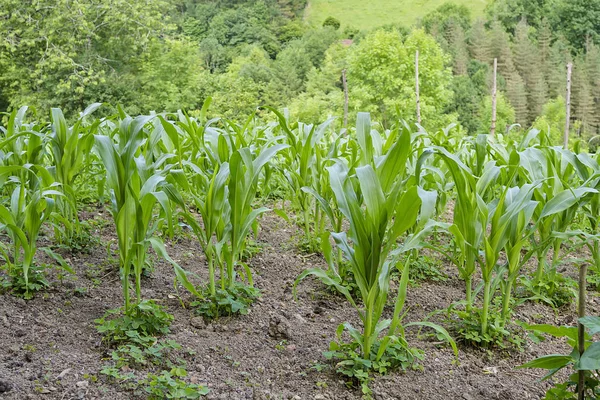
point(332, 22)
point(526, 56)
point(381, 77)
point(60, 52)
point(557, 77)
point(516, 94)
point(510, 12)
point(469, 92)
point(457, 46)
point(592, 66)
point(552, 120)
point(579, 20)
point(445, 18)
point(479, 44)
point(582, 101)
point(171, 78)
point(505, 114)
point(500, 48)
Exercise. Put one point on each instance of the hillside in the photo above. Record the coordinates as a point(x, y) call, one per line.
point(369, 14)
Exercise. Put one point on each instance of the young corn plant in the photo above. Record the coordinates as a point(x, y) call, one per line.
point(136, 186)
point(518, 232)
point(510, 218)
point(22, 144)
point(69, 147)
point(245, 170)
point(556, 211)
point(380, 209)
point(304, 162)
point(470, 216)
point(584, 359)
point(31, 204)
point(222, 182)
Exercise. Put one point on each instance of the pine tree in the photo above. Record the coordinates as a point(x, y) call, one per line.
point(557, 62)
point(544, 39)
point(479, 45)
point(582, 101)
point(499, 42)
point(527, 61)
point(592, 61)
point(458, 49)
point(517, 96)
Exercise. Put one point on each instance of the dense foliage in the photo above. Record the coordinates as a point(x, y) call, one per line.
point(167, 54)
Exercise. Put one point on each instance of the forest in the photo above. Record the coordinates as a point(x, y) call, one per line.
point(168, 55)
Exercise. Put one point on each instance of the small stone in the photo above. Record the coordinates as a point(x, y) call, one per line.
point(319, 397)
point(467, 396)
point(198, 323)
point(4, 386)
point(82, 384)
point(291, 347)
point(279, 327)
point(299, 318)
point(63, 373)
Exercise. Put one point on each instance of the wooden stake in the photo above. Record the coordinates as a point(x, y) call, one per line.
point(568, 105)
point(494, 94)
point(417, 87)
point(581, 328)
point(345, 84)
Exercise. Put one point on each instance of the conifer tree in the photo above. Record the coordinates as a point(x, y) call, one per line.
point(592, 61)
point(544, 43)
point(527, 62)
point(499, 42)
point(458, 49)
point(582, 101)
point(517, 96)
point(479, 46)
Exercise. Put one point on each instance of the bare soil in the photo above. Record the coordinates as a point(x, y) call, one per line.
point(49, 347)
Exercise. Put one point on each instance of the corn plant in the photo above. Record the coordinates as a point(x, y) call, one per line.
point(31, 204)
point(584, 358)
point(245, 171)
point(470, 216)
point(69, 147)
point(557, 208)
point(304, 163)
point(212, 232)
point(135, 186)
point(22, 144)
point(222, 182)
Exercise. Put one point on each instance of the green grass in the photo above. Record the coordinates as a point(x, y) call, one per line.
point(367, 14)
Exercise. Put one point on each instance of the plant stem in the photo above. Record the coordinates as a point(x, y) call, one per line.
point(306, 223)
point(506, 301)
point(486, 306)
point(230, 268)
point(468, 284)
point(539, 273)
point(211, 273)
point(367, 332)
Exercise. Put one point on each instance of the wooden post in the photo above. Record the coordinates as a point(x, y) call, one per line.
point(581, 328)
point(568, 106)
point(417, 87)
point(494, 94)
point(345, 84)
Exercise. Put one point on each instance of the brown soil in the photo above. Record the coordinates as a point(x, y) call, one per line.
point(49, 348)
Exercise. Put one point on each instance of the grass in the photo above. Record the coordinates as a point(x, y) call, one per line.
point(371, 14)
